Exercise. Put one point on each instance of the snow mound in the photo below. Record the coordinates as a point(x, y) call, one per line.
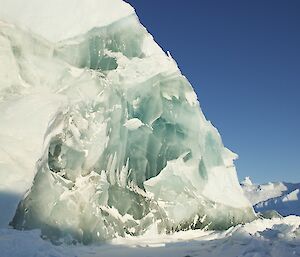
point(101, 134)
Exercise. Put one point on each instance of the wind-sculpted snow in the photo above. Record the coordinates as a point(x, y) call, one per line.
point(126, 147)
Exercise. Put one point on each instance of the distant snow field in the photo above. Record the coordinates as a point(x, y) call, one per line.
point(281, 197)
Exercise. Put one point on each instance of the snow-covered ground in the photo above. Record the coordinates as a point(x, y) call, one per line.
point(260, 238)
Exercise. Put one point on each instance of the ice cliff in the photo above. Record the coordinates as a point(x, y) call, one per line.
point(101, 135)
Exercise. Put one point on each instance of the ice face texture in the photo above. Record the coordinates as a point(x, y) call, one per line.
point(125, 147)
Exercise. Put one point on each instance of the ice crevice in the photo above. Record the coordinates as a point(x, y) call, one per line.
point(126, 145)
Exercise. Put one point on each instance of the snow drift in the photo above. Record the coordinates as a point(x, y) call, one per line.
point(102, 131)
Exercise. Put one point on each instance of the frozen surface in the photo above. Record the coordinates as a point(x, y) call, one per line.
point(281, 197)
point(261, 238)
point(102, 131)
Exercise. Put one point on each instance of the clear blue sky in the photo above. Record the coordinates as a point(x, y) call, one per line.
point(243, 60)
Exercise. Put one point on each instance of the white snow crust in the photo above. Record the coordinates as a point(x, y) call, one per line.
point(57, 20)
point(133, 124)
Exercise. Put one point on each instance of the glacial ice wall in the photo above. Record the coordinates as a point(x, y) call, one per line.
point(126, 147)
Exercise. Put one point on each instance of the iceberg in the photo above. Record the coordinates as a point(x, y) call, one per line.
point(101, 135)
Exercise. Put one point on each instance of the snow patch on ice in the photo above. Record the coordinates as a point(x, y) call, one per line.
point(133, 124)
point(58, 20)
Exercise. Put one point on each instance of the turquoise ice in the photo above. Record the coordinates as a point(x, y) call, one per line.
point(127, 148)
